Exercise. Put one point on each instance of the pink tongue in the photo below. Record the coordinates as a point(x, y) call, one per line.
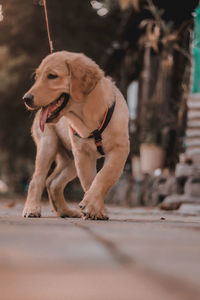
point(43, 117)
point(47, 111)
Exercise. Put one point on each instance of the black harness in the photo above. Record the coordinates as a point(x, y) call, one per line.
point(96, 134)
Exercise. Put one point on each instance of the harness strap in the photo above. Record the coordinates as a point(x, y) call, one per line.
point(98, 141)
point(107, 118)
point(96, 134)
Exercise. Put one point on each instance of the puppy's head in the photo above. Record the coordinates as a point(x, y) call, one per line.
point(61, 77)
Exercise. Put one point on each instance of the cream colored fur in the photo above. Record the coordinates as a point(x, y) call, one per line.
point(91, 93)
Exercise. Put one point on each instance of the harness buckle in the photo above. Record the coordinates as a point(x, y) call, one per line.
point(97, 135)
point(98, 141)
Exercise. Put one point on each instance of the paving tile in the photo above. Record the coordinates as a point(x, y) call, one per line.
point(139, 254)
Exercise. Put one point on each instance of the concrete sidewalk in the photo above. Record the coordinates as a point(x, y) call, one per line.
point(138, 254)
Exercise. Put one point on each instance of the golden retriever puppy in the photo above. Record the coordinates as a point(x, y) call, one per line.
point(81, 117)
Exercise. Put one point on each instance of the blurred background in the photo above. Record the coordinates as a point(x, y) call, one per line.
point(151, 50)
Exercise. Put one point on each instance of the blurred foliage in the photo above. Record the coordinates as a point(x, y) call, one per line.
point(154, 40)
point(74, 26)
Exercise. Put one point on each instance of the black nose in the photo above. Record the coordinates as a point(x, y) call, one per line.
point(28, 99)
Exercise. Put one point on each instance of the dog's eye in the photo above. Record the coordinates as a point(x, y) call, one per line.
point(52, 76)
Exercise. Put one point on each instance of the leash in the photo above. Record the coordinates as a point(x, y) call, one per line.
point(47, 26)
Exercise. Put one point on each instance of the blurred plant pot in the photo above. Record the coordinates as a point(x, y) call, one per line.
point(136, 167)
point(151, 157)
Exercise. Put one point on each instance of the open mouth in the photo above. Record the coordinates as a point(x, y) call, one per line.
point(52, 111)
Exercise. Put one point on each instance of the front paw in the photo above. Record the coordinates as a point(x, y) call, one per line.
point(31, 212)
point(93, 210)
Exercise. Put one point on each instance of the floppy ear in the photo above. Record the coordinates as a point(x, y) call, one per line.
point(84, 75)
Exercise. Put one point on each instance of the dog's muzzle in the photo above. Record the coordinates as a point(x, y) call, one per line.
point(49, 112)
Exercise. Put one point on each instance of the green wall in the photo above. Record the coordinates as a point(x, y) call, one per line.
point(196, 53)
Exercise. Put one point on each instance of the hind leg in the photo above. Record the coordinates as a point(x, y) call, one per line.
point(64, 172)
